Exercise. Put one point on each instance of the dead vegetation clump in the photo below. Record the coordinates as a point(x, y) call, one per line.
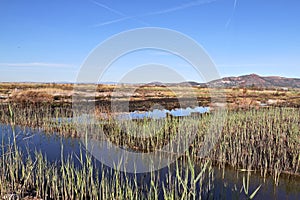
point(31, 96)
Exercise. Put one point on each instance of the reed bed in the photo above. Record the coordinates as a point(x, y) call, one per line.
point(24, 176)
point(266, 140)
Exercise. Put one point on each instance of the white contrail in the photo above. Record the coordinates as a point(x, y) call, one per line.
point(173, 9)
point(123, 16)
point(111, 22)
point(235, 4)
point(109, 8)
point(181, 7)
point(233, 11)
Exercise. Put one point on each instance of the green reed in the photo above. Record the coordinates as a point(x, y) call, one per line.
point(40, 178)
point(265, 140)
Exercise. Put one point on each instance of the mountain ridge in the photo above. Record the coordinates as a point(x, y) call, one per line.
point(247, 81)
point(254, 80)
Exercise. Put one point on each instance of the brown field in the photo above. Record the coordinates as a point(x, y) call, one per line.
point(143, 97)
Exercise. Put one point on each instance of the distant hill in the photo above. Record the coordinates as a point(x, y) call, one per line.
point(248, 81)
point(182, 84)
point(190, 83)
point(254, 80)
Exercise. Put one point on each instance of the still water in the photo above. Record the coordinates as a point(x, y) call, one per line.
point(157, 114)
point(154, 114)
point(227, 182)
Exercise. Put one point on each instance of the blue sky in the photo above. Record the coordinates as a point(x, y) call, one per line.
point(49, 40)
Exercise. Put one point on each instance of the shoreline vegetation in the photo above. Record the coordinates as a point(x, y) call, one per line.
point(263, 139)
point(144, 97)
point(260, 134)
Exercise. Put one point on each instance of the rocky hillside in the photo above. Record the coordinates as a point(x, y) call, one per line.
point(254, 80)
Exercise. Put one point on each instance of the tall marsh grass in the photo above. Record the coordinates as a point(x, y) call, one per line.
point(265, 140)
point(24, 175)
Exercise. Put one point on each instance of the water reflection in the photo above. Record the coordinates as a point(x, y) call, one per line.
point(158, 114)
point(226, 184)
point(154, 114)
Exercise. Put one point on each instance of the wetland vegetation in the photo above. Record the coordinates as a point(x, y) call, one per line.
point(261, 141)
point(254, 140)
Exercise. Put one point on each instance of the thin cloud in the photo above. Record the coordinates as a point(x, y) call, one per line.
point(233, 11)
point(235, 4)
point(123, 16)
point(160, 12)
point(35, 64)
point(111, 22)
point(109, 8)
point(181, 7)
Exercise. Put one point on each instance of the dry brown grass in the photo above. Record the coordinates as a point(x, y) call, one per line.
point(31, 96)
point(59, 93)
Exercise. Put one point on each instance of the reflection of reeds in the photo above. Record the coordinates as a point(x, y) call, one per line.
point(24, 175)
point(33, 176)
point(265, 140)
